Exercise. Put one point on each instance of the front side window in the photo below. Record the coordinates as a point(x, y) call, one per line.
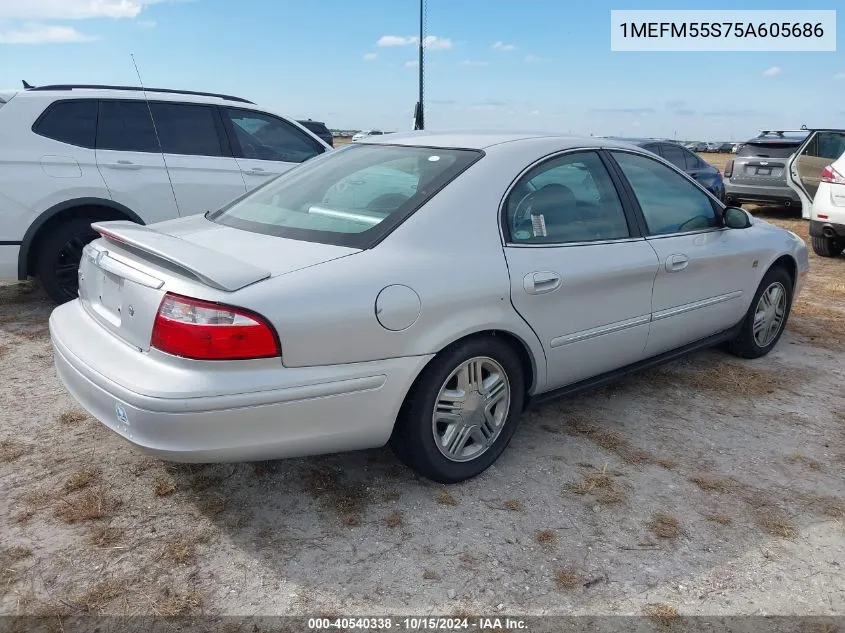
point(669, 202)
point(351, 197)
point(566, 199)
point(187, 129)
point(260, 136)
point(73, 122)
point(830, 145)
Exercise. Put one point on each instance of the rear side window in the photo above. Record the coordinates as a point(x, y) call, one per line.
point(126, 126)
point(73, 122)
point(353, 196)
point(674, 155)
point(768, 150)
point(187, 129)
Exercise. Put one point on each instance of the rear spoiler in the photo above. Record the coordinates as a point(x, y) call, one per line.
point(211, 267)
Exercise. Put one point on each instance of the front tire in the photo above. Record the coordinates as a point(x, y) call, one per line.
point(828, 246)
point(58, 257)
point(462, 412)
point(766, 317)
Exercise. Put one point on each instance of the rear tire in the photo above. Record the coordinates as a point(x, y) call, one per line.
point(828, 246)
point(448, 430)
point(766, 317)
point(58, 256)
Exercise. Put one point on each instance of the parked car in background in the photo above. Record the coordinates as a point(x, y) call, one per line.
point(758, 173)
point(695, 166)
point(73, 154)
point(725, 148)
point(289, 324)
point(817, 175)
point(319, 128)
point(366, 133)
point(697, 147)
point(735, 147)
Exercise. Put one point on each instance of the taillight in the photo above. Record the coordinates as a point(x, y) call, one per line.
point(829, 174)
point(729, 169)
point(203, 330)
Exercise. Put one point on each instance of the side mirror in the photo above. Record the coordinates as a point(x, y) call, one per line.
point(736, 218)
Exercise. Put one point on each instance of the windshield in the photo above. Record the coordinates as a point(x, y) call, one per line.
point(352, 196)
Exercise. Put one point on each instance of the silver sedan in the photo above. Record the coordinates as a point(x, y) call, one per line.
point(417, 289)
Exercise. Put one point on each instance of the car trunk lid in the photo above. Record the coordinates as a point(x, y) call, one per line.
point(121, 290)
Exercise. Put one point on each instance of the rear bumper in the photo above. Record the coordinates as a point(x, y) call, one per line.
point(819, 228)
point(307, 411)
point(754, 193)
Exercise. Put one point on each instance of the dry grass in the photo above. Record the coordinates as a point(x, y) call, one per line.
point(721, 519)
point(71, 418)
point(664, 526)
point(546, 538)
point(347, 499)
point(610, 441)
point(600, 486)
point(9, 559)
point(429, 574)
point(81, 479)
point(799, 458)
point(514, 505)
point(568, 579)
point(774, 523)
point(98, 597)
point(10, 450)
point(105, 535)
point(711, 483)
point(729, 379)
point(172, 603)
point(33, 500)
point(394, 520)
point(90, 504)
point(467, 560)
point(668, 464)
point(445, 498)
point(661, 613)
point(180, 551)
point(164, 486)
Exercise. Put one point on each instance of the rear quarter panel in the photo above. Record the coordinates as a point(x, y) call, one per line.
point(449, 252)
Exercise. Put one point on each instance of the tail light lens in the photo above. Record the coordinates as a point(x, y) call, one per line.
point(203, 330)
point(729, 169)
point(829, 174)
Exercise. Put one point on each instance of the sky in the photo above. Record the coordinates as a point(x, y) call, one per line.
point(492, 64)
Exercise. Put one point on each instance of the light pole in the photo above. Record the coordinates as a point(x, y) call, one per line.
point(419, 114)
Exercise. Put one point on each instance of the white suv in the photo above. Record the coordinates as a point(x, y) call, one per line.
point(817, 174)
point(71, 155)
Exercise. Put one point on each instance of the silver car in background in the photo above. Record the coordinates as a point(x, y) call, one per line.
point(418, 289)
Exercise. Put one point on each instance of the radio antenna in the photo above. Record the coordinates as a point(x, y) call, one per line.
point(155, 131)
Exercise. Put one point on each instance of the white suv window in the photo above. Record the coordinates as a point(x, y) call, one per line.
point(73, 121)
point(182, 128)
point(261, 136)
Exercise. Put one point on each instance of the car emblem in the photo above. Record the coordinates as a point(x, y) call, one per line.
point(131, 311)
point(764, 162)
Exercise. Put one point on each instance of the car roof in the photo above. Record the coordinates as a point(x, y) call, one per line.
point(484, 139)
point(129, 92)
point(640, 141)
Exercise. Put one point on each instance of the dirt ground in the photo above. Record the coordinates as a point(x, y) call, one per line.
point(709, 486)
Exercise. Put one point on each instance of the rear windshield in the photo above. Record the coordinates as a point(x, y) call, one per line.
point(352, 196)
point(770, 149)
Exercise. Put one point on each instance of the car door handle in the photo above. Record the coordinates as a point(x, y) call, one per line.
point(541, 282)
point(674, 263)
point(123, 164)
point(257, 171)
